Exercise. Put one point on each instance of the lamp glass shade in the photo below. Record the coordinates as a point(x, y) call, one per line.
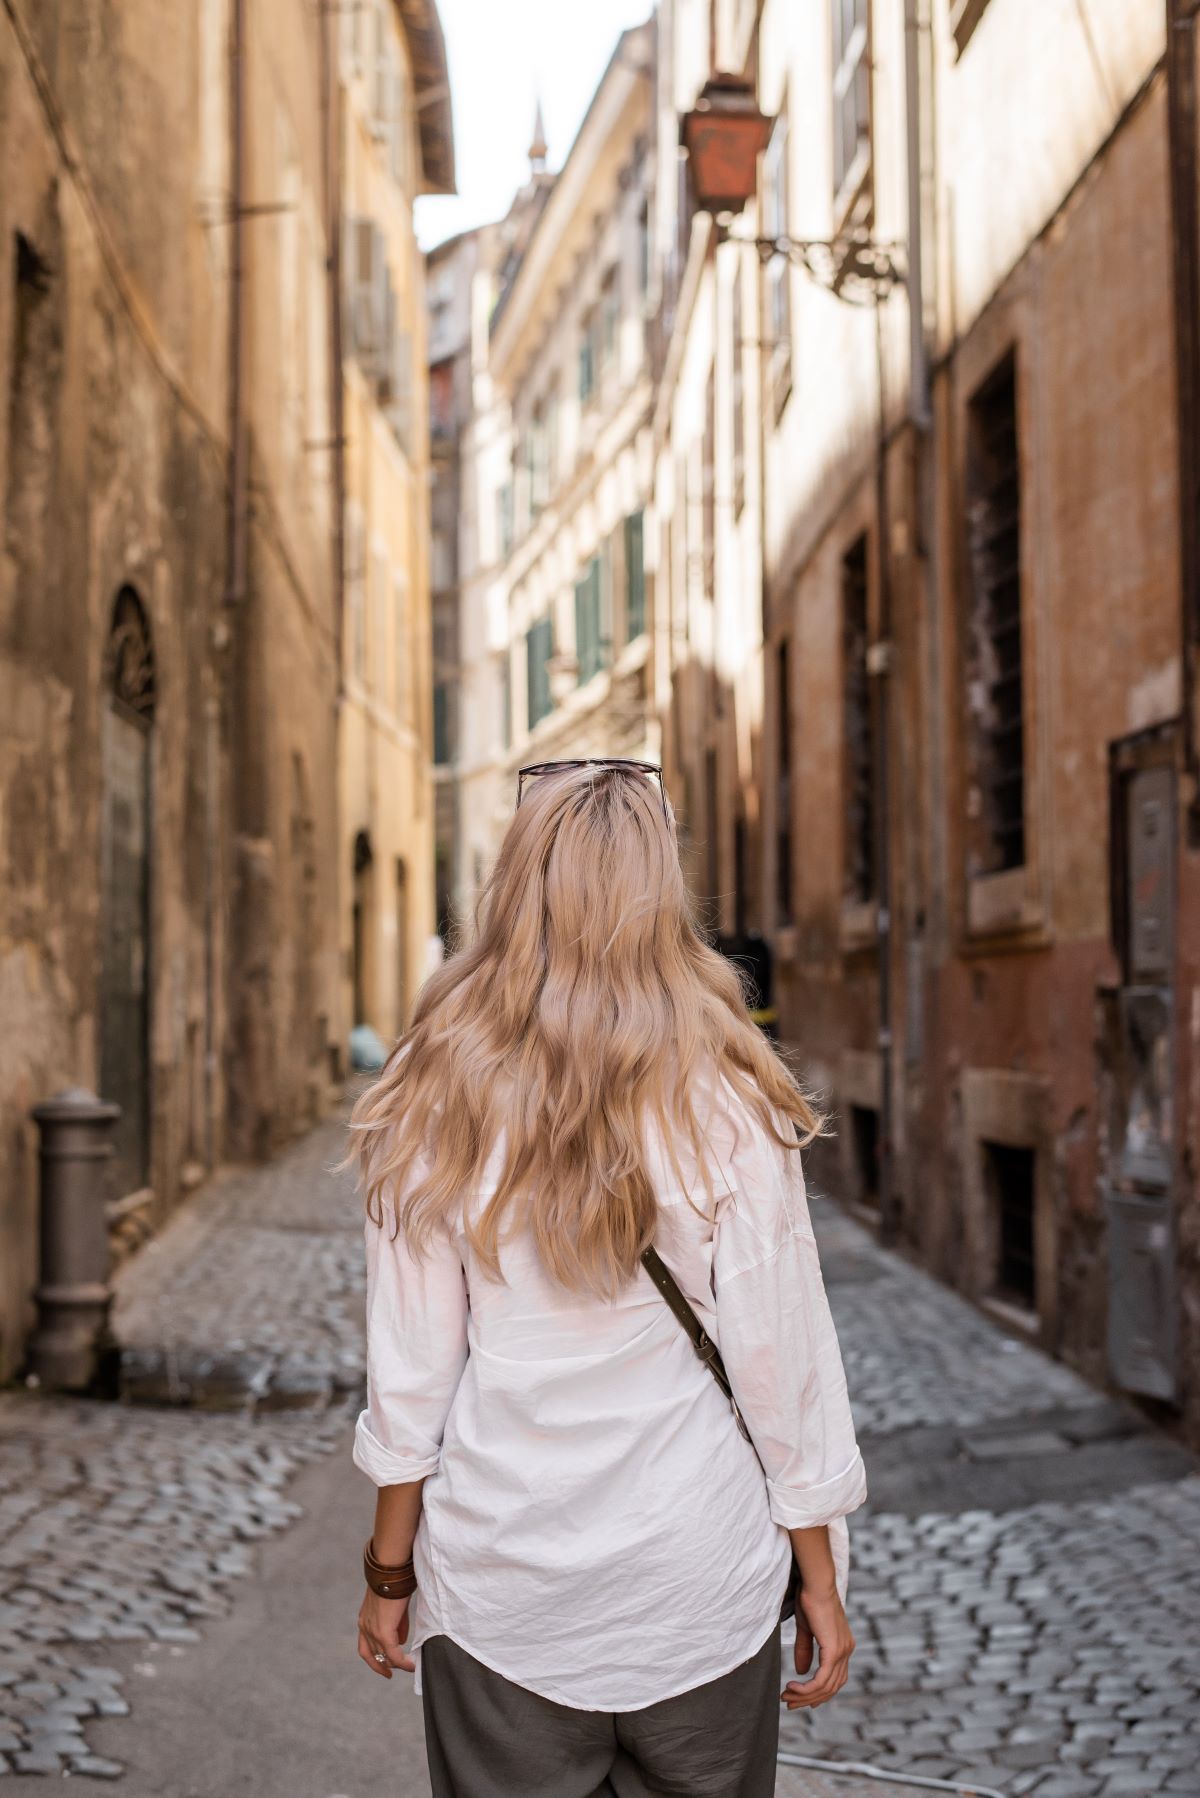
point(724, 135)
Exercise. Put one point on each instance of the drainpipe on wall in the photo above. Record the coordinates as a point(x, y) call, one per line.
point(235, 558)
point(880, 658)
point(1185, 245)
point(235, 564)
point(331, 127)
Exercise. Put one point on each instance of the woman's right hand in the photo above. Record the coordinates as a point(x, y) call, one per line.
point(820, 1620)
point(382, 1633)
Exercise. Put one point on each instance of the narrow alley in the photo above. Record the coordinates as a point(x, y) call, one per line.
point(1026, 1585)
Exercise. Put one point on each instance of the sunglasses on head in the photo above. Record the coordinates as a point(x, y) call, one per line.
point(533, 769)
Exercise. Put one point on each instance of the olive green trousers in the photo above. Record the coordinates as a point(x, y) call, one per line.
point(488, 1738)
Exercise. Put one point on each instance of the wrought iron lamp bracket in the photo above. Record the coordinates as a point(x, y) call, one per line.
point(854, 267)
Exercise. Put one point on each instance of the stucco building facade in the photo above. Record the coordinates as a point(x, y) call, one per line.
point(396, 143)
point(924, 557)
point(553, 632)
point(171, 591)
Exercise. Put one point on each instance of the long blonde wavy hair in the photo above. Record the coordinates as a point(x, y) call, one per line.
point(586, 1010)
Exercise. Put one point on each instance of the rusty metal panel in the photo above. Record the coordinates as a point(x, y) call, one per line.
point(1142, 1297)
point(1149, 827)
point(124, 969)
point(1144, 1087)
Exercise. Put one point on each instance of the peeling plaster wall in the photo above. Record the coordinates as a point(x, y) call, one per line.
point(114, 135)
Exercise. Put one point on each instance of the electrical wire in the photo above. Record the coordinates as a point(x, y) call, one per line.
point(862, 1770)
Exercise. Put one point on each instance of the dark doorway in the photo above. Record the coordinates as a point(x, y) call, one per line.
point(864, 1146)
point(126, 869)
point(1010, 1178)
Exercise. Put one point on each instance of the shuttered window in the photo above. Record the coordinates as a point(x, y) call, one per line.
point(851, 96)
point(993, 671)
point(539, 647)
point(591, 645)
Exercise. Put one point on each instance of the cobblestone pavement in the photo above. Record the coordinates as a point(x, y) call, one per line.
point(1027, 1573)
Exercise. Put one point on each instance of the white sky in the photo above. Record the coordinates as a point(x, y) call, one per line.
point(503, 54)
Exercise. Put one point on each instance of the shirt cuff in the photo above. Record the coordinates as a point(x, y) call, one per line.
point(383, 1465)
point(807, 1507)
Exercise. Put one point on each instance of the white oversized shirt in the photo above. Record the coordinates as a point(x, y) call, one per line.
point(594, 1526)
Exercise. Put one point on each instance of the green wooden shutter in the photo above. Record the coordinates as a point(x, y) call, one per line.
point(583, 627)
point(539, 646)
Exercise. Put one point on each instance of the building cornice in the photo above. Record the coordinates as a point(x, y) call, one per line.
point(431, 85)
point(584, 187)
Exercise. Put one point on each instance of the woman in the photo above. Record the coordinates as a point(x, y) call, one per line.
point(572, 1532)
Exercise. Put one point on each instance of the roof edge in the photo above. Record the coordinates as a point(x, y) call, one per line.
point(431, 83)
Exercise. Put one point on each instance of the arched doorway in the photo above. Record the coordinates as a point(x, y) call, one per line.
point(364, 866)
point(125, 848)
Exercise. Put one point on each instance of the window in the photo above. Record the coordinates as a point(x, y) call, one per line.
point(643, 250)
point(777, 277)
point(859, 739)
point(591, 638)
point(783, 784)
point(851, 99)
point(539, 647)
point(537, 458)
point(610, 319)
point(738, 382)
point(994, 684)
point(441, 723)
point(504, 522)
point(635, 576)
point(587, 361)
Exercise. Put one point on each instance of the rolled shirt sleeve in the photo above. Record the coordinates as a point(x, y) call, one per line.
point(778, 1341)
point(416, 1352)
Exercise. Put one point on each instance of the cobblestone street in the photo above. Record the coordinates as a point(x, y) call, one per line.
point(1026, 1590)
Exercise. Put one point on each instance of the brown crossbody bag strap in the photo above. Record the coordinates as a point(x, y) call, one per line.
point(693, 1329)
point(708, 1352)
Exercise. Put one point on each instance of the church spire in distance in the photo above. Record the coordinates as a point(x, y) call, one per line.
point(538, 149)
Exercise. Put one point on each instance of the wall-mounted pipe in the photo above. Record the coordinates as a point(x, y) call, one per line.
point(1185, 247)
point(235, 559)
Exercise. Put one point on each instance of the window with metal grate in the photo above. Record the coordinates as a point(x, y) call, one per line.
point(993, 672)
point(859, 743)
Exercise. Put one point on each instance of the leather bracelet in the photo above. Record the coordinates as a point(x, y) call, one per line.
point(388, 1582)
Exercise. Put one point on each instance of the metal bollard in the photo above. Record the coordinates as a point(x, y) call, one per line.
point(74, 1294)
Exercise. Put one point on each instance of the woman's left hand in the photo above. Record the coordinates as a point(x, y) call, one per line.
point(382, 1633)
